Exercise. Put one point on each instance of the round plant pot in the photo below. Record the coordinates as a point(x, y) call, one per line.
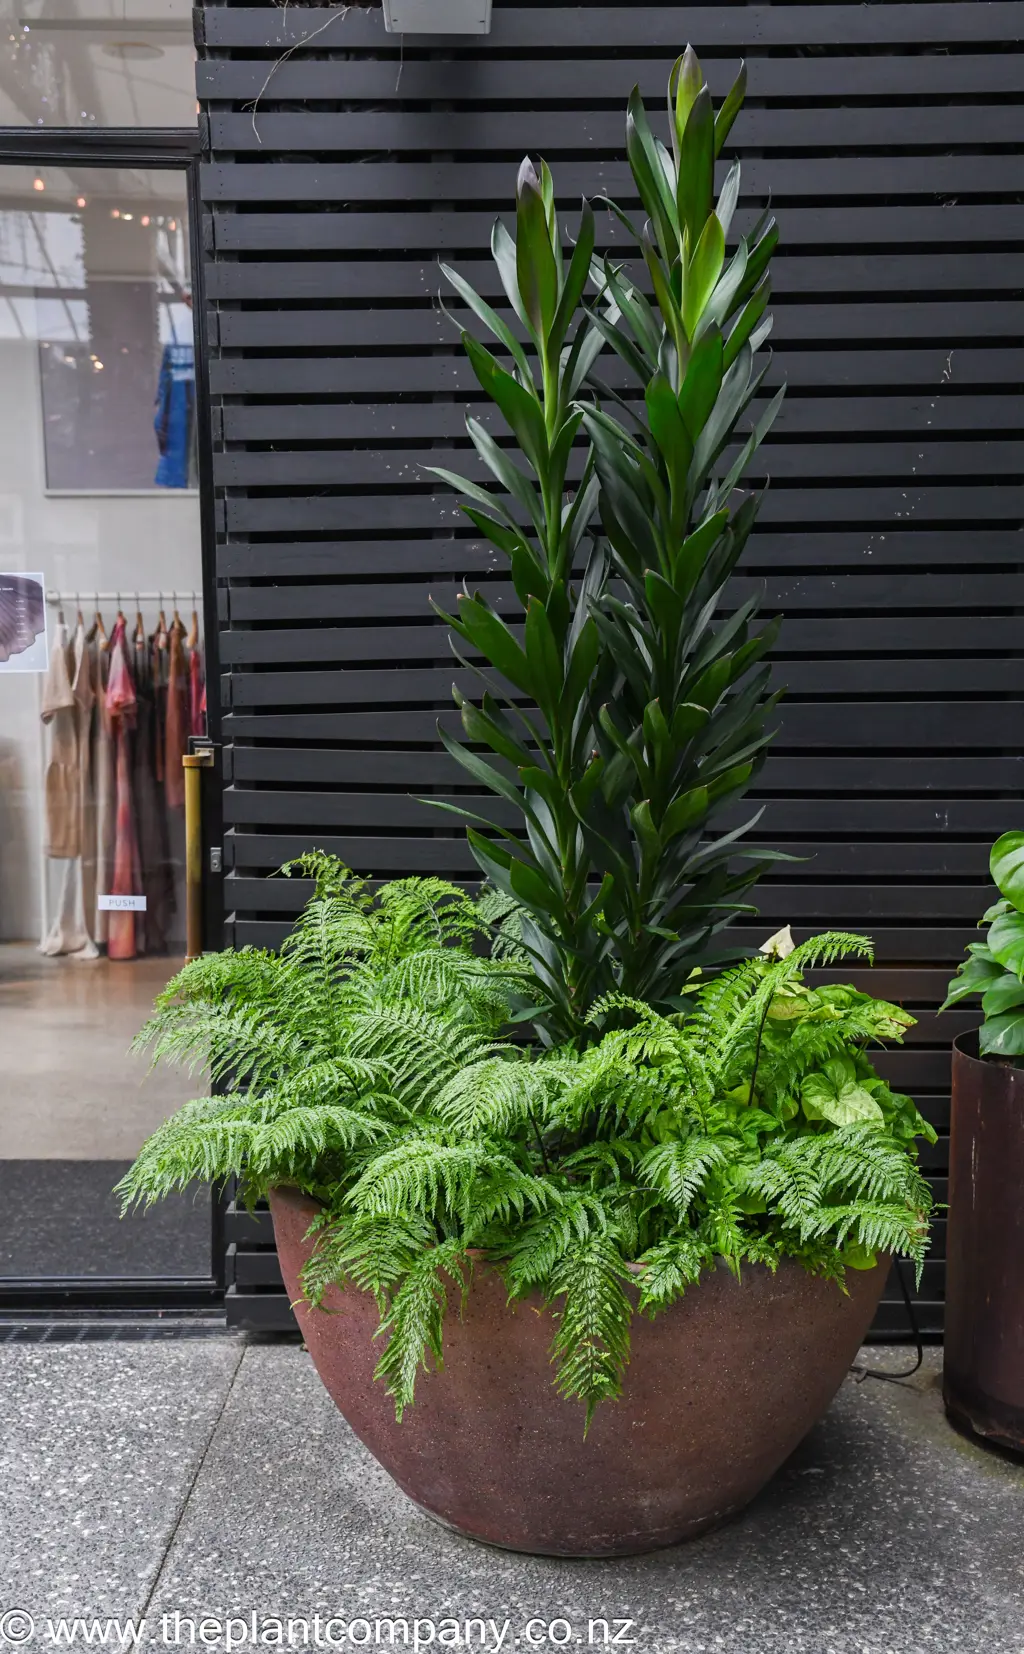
point(720, 1389)
point(983, 1377)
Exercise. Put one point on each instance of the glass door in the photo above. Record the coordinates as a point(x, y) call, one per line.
point(102, 682)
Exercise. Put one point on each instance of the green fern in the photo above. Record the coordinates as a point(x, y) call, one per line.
point(370, 1064)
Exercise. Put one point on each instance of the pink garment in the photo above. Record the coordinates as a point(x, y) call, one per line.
point(125, 931)
point(176, 726)
point(196, 693)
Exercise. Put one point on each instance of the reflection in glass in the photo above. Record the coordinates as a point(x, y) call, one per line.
point(97, 498)
point(98, 63)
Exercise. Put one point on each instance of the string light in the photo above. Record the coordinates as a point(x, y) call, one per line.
point(81, 201)
point(145, 221)
point(115, 212)
point(128, 216)
point(37, 184)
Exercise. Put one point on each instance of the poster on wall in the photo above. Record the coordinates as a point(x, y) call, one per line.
point(23, 623)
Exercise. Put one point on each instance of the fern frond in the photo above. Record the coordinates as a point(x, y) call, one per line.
point(591, 1346)
point(374, 1253)
point(414, 1324)
point(680, 1170)
point(666, 1270)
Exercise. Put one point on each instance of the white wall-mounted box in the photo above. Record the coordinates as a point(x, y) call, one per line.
point(437, 16)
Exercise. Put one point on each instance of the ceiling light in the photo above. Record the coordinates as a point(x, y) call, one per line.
point(37, 184)
point(81, 201)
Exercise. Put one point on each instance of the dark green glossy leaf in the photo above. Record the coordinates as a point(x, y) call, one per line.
point(1007, 866)
point(1002, 1036)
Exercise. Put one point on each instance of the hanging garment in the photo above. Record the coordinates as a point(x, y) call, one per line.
point(177, 724)
point(104, 781)
point(175, 411)
point(125, 931)
point(63, 827)
point(160, 644)
point(150, 815)
point(196, 692)
point(71, 930)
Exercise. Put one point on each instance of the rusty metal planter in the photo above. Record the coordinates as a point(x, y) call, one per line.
point(720, 1389)
point(984, 1354)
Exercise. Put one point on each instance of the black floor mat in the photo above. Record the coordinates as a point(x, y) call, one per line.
point(58, 1218)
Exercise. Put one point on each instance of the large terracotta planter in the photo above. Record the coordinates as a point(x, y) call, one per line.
point(720, 1390)
point(983, 1377)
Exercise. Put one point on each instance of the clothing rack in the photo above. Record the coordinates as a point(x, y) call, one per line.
point(56, 599)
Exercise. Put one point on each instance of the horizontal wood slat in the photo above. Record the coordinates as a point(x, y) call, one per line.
point(508, 80)
point(358, 28)
point(547, 131)
point(902, 549)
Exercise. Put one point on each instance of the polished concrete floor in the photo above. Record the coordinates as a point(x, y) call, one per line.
point(215, 1480)
point(70, 1091)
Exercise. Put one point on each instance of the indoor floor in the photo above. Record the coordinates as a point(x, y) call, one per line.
point(214, 1478)
point(75, 1110)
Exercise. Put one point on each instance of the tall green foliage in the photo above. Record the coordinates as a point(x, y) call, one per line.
point(651, 712)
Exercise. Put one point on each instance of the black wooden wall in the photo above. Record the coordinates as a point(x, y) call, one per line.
point(889, 135)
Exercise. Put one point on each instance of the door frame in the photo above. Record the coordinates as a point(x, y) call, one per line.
point(49, 1298)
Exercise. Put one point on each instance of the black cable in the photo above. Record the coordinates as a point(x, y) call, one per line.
point(898, 1378)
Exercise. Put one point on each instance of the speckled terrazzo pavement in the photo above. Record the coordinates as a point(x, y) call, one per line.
point(216, 1480)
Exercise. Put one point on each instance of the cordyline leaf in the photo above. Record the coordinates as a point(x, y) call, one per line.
point(684, 82)
point(730, 109)
point(697, 169)
point(522, 411)
point(647, 170)
point(702, 274)
point(490, 318)
point(536, 270)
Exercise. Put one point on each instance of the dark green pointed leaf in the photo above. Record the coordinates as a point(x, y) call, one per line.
point(685, 812)
point(1002, 1036)
point(536, 270)
point(1006, 942)
point(730, 109)
point(703, 383)
point(697, 168)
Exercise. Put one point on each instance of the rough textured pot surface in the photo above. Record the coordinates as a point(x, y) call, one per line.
point(720, 1389)
point(984, 1355)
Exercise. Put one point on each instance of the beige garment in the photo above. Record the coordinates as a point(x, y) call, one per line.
point(62, 790)
point(71, 931)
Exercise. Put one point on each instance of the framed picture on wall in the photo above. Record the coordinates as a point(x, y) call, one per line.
point(22, 623)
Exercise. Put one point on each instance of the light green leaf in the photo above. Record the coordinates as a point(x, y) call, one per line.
point(834, 1093)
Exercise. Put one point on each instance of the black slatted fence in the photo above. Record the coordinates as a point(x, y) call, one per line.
point(343, 162)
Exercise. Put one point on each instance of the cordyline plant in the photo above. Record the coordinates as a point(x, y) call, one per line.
point(651, 716)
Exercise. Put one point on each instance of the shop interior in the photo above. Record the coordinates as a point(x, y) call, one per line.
point(102, 681)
